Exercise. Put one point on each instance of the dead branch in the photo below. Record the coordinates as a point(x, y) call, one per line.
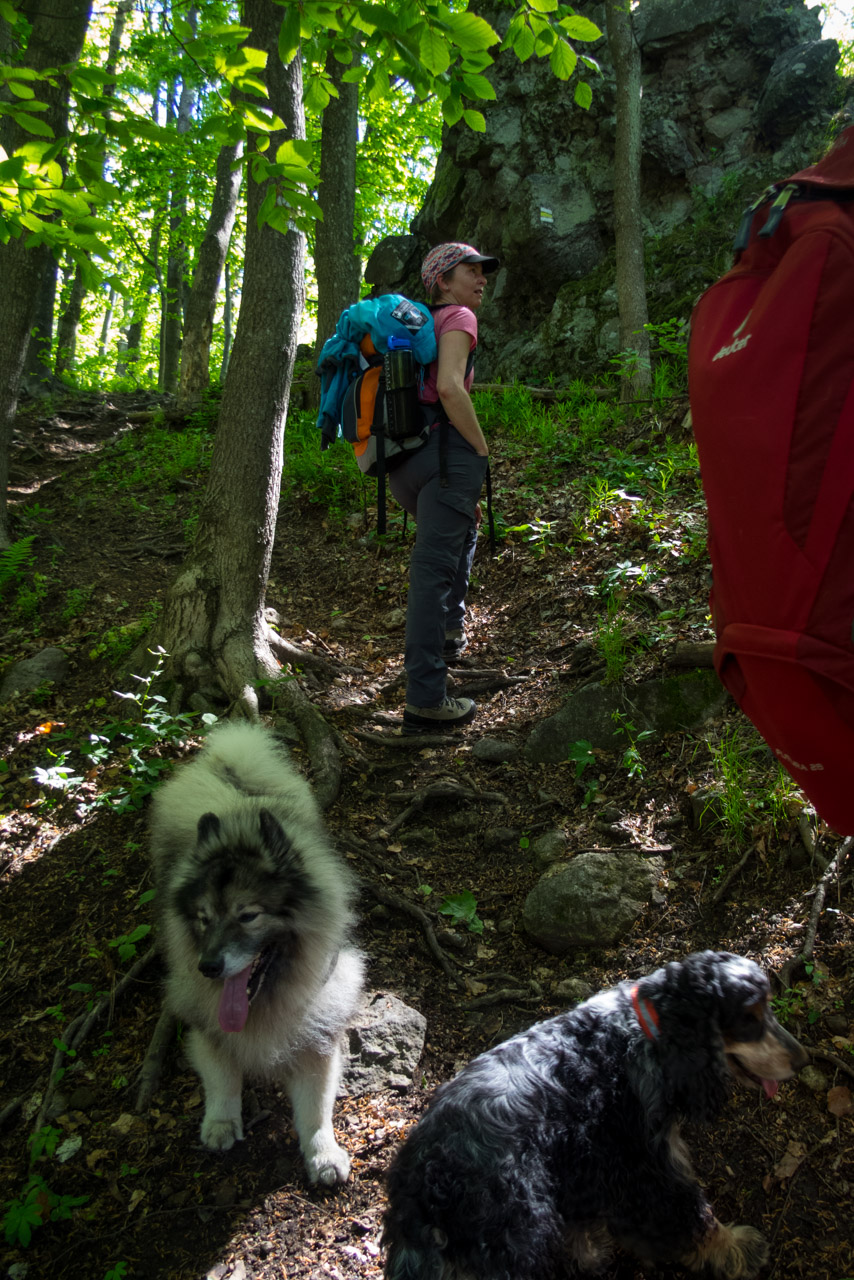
point(691, 655)
point(723, 889)
point(832, 1058)
point(834, 867)
point(77, 1031)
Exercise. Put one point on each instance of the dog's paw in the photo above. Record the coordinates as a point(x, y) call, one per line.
point(752, 1248)
point(327, 1164)
point(221, 1135)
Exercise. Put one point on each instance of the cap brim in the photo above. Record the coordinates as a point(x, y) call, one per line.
point(489, 264)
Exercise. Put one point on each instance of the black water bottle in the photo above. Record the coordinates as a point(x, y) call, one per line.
point(401, 396)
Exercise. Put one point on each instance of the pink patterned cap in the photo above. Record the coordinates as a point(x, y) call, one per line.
point(447, 256)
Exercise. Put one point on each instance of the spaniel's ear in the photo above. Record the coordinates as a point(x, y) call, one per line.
point(695, 1072)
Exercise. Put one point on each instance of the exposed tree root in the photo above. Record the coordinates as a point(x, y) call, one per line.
point(444, 789)
point(152, 1067)
point(398, 903)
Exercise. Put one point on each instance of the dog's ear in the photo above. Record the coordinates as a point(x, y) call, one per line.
point(689, 1045)
point(274, 837)
point(208, 828)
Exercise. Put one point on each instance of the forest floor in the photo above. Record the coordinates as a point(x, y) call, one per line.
point(566, 580)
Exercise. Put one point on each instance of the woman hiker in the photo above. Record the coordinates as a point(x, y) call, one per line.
point(443, 500)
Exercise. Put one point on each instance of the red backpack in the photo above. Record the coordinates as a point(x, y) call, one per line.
point(771, 380)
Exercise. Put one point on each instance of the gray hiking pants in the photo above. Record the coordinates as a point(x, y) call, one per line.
point(445, 539)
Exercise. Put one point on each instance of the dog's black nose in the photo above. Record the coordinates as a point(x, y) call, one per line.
point(211, 968)
point(798, 1054)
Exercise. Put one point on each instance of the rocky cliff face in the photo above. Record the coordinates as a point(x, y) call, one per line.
point(735, 93)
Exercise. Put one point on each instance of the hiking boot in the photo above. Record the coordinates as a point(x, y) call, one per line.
point(455, 645)
point(449, 713)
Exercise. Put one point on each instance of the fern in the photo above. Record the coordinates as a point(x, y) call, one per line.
point(16, 560)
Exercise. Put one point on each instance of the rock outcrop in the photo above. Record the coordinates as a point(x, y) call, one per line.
point(734, 93)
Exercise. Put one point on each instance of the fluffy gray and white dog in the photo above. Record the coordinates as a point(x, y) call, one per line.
point(255, 914)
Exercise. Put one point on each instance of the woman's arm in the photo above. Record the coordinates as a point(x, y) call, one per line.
point(454, 347)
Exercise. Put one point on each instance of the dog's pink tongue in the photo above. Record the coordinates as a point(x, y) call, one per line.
point(234, 1001)
point(770, 1087)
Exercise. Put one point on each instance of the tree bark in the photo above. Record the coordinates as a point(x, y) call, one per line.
point(201, 305)
point(336, 267)
point(213, 625)
point(628, 227)
point(176, 265)
point(56, 37)
point(69, 321)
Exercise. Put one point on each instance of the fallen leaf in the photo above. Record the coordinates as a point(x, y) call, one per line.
point(839, 1101)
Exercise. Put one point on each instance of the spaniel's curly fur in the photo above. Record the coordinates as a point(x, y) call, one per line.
point(553, 1148)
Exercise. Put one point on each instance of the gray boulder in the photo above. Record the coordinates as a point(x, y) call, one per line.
point(386, 1041)
point(591, 901)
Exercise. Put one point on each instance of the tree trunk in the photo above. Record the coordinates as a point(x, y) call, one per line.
point(628, 228)
point(56, 37)
point(195, 356)
point(226, 324)
point(106, 324)
point(69, 323)
point(38, 376)
point(213, 624)
point(150, 277)
point(336, 266)
point(173, 300)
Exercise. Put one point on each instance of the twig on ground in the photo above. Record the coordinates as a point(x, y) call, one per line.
point(834, 867)
point(152, 1066)
point(832, 1058)
point(723, 889)
point(77, 1031)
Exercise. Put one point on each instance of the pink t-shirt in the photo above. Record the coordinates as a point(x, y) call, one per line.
point(444, 319)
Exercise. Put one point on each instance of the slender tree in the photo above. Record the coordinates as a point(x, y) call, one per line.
point(336, 266)
point(628, 228)
point(201, 304)
point(56, 39)
point(213, 625)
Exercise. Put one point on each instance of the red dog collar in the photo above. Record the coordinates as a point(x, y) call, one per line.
point(646, 1015)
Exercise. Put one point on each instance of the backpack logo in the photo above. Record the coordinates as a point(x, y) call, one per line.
point(738, 343)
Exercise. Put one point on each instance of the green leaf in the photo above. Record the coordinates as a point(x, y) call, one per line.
point(543, 6)
point(289, 34)
point(479, 87)
point(21, 90)
point(563, 60)
point(545, 42)
point(33, 125)
point(470, 32)
point(475, 120)
point(452, 110)
point(583, 94)
point(578, 28)
point(523, 43)
point(317, 95)
point(433, 51)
